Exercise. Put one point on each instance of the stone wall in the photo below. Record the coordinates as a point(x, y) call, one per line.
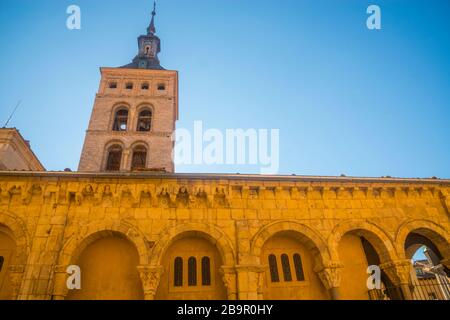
point(53, 216)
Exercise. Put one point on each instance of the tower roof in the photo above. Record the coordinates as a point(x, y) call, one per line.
point(149, 46)
point(151, 29)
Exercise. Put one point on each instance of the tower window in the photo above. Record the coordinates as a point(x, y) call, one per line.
point(286, 267)
point(274, 276)
point(113, 85)
point(298, 267)
point(114, 158)
point(145, 121)
point(161, 87)
point(145, 86)
point(178, 272)
point(121, 120)
point(192, 272)
point(139, 159)
point(129, 86)
point(206, 271)
point(2, 260)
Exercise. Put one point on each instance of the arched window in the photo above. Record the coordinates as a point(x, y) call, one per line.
point(273, 268)
point(144, 121)
point(178, 272)
point(206, 271)
point(113, 85)
point(286, 267)
point(139, 159)
point(298, 267)
point(192, 272)
point(114, 158)
point(2, 260)
point(120, 120)
point(145, 86)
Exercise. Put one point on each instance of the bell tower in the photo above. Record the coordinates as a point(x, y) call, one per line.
point(134, 114)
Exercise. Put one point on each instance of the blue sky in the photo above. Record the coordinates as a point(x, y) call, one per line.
point(347, 100)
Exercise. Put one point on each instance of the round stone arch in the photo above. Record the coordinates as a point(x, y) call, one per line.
point(311, 238)
point(201, 230)
point(19, 234)
point(133, 147)
point(116, 107)
point(77, 243)
point(137, 111)
point(377, 237)
point(14, 227)
point(107, 146)
point(437, 234)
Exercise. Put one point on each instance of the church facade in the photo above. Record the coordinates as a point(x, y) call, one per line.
point(137, 230)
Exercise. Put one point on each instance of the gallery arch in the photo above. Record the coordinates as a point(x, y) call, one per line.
point(290, 274)
point(191, 270)
point(7, 257)
point(427, 247)
point(357, 253)
point(358, 245)
point(109, 269)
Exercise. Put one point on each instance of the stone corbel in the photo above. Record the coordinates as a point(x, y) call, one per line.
point(144, 192)
point(245, 191)
point(295, 194)
point(280, 193)
point(4, 194)
point(363, 191)
point(150, 277)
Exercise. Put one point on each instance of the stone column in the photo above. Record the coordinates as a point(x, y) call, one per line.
point(399, 272)
point(15, 273)
point(229, 280)
point(124, 165)
point(60, 277)
point(250, 281)
point(330, 275)
point(150, 277)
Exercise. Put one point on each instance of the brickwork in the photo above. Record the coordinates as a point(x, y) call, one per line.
point(161, 98)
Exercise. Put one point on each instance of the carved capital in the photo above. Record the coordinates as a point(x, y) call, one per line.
point(330, 275)
point(150, 277)
point(229, 280)
point(398, 271)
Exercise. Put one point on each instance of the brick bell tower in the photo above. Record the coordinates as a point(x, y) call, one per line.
point(134, 114)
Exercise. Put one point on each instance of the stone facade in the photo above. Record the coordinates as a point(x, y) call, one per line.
point(16, 153)
point(147, 235)
point(53, 217)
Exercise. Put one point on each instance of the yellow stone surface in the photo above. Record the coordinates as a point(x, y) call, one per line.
point(126, 227)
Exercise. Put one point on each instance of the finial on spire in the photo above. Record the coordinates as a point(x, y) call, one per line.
point(151, 29)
